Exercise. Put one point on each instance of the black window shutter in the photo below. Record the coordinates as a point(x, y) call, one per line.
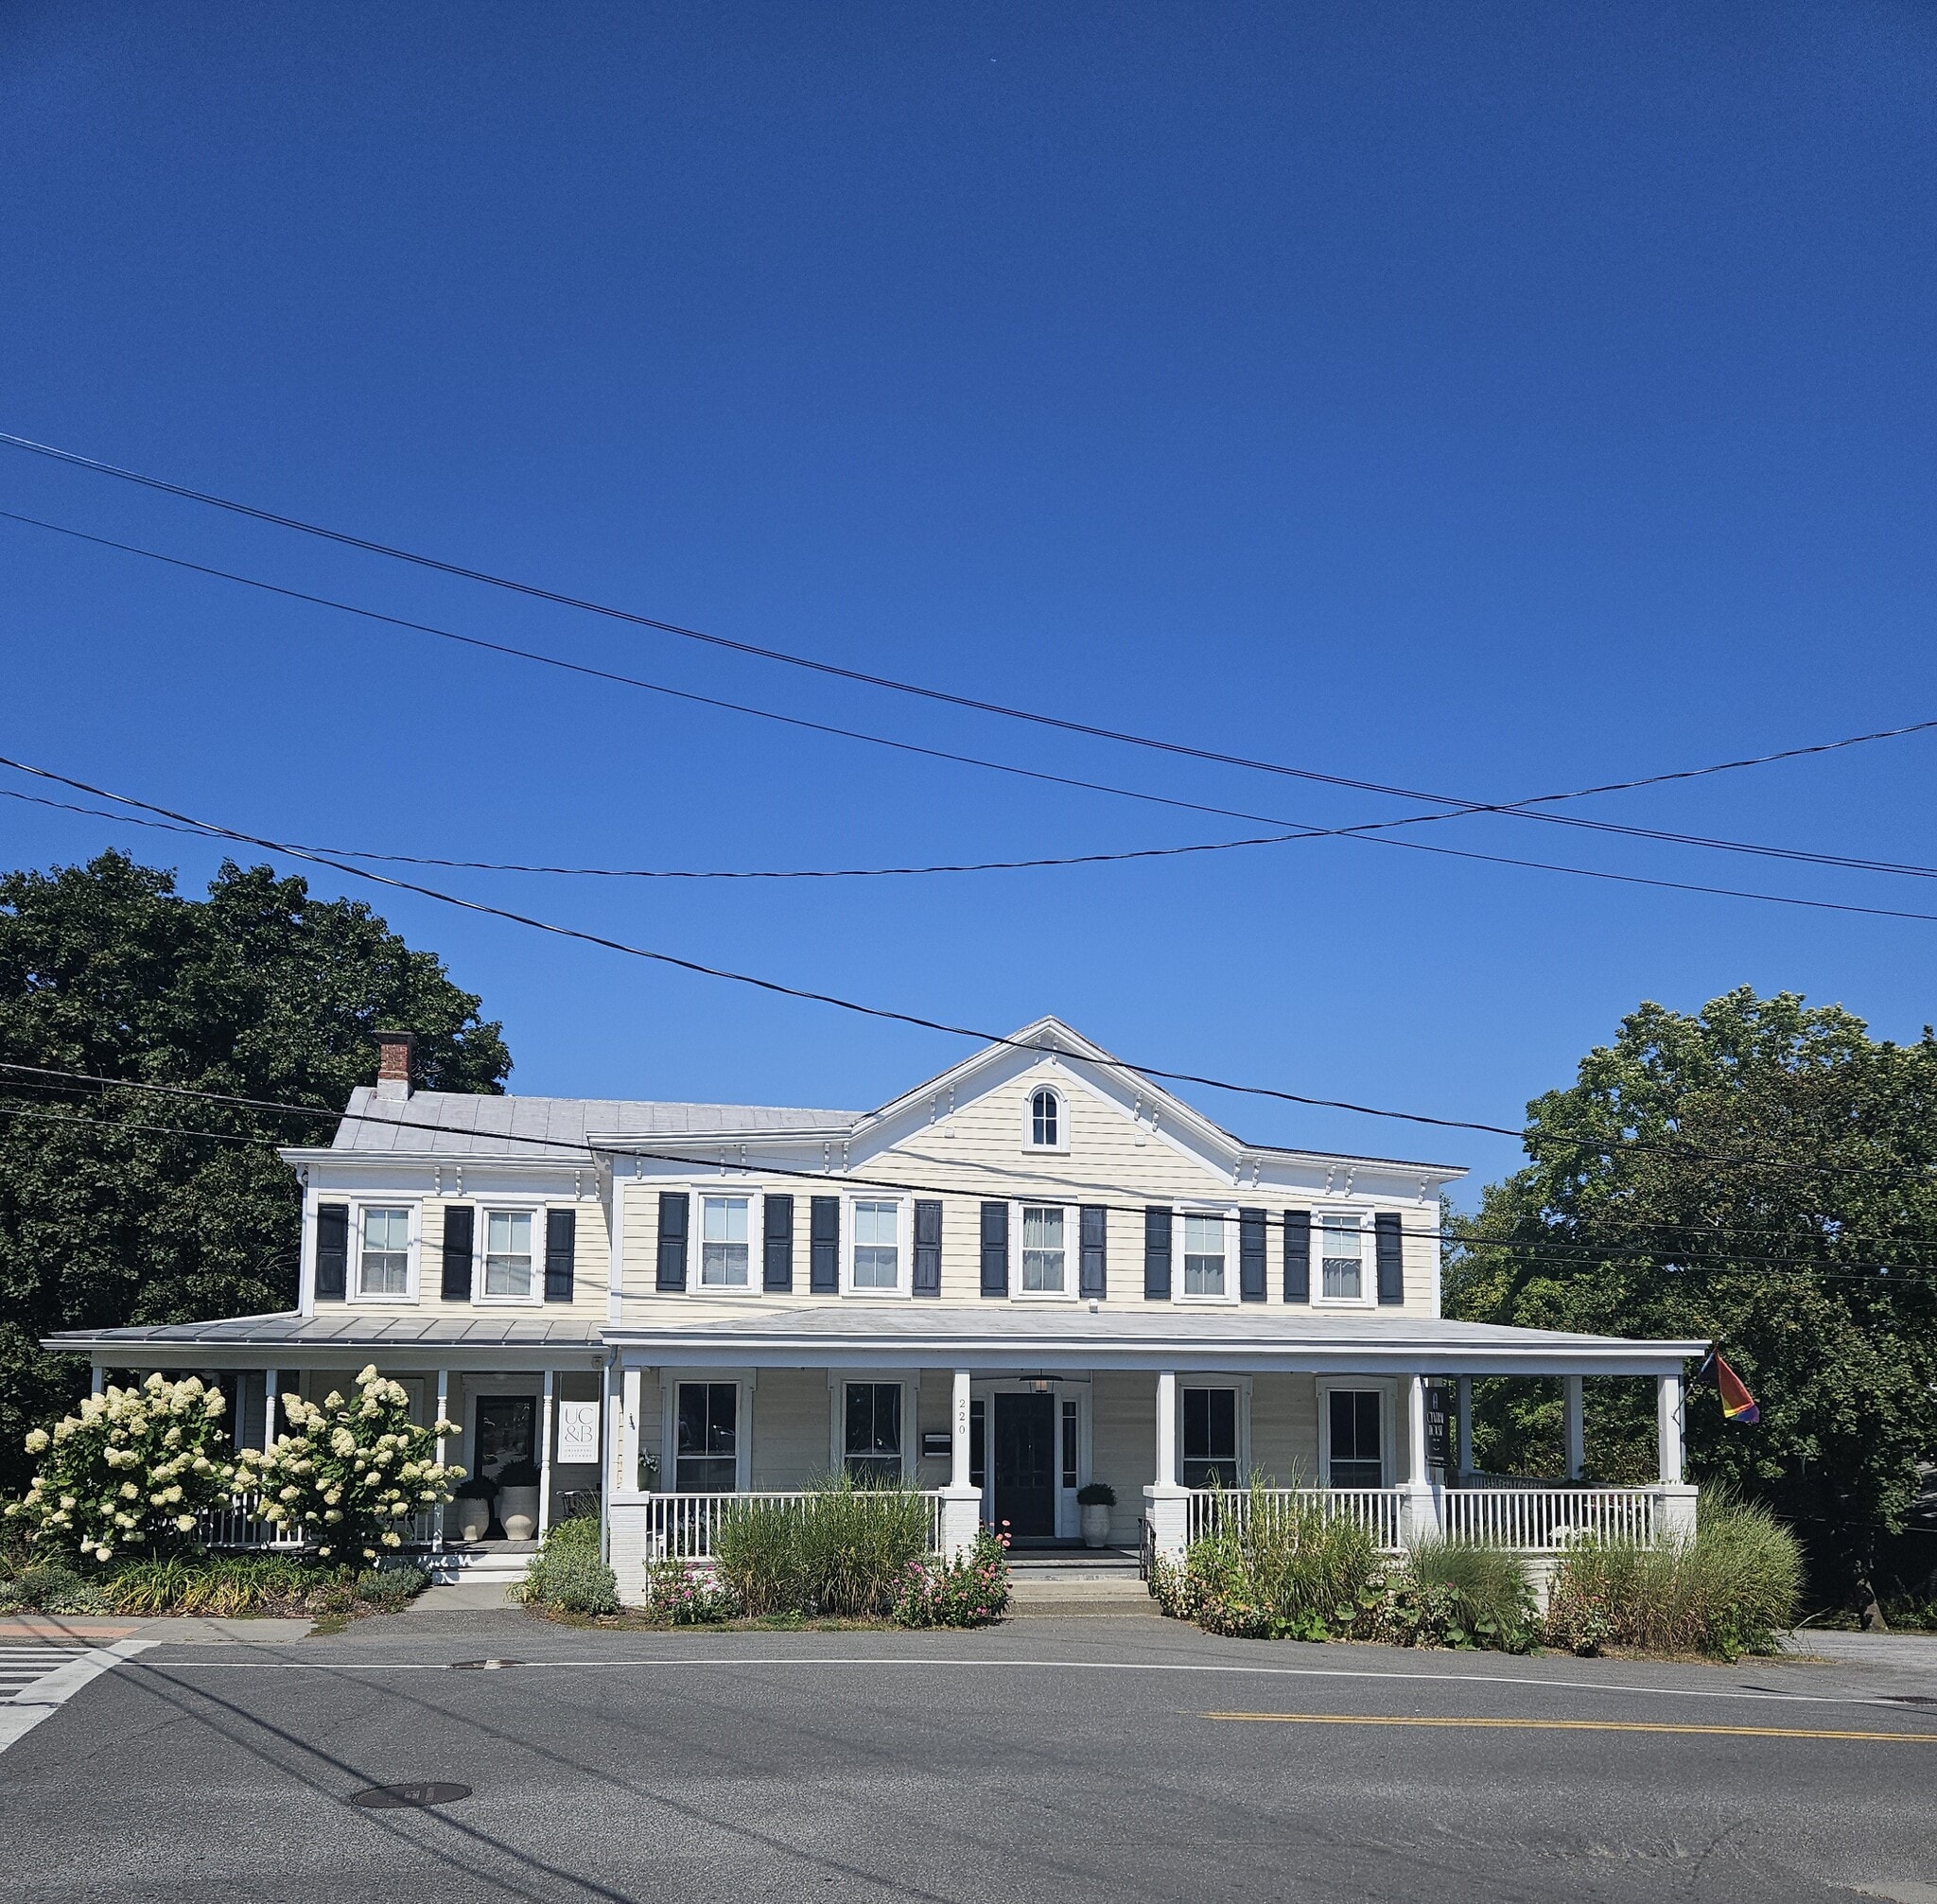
point(776, 1264)
point(1297, 1255)
point(332, 1251)
point(928, 1250)
point(1096, 1270)
point(675, 1210)
point(459, 1234)
point(824, 1246)
point(561, 1248)
point(1386, 1246)
point(995, 1249)
point(1251, 1256)
point(1156, 1254)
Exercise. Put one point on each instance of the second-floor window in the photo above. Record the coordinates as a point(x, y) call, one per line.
point(1203, 1255)
point(385, 1268)
point(1343, 1271)
point(877, 1252)
point(1042, 1248)
point(508, 1252)
point(723, 1243)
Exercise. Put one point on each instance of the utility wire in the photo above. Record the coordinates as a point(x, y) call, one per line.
point(1812, 1264)
point(900, 687)
point(979, 865)
point(1453, 807)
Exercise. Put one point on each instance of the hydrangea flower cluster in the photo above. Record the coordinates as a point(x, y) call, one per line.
point(131, 1472)
point(351, 1471)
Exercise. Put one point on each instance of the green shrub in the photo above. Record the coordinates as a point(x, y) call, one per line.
point(1279, 1566)
point(392, 1589)
point(757, 1555)
point(854, 1543)
point(972, 1590)
point(223, 1586)
point(568, 1573)
point(53, 1586)
point(1489, 1590)
point(1096, 1495)
point(1729, 1590)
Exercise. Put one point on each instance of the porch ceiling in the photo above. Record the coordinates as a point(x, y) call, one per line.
point(1226, 1342)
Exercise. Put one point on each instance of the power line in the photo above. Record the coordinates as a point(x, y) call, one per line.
point(979, 865)
point(1036, 716)
point(1455, 807)
point(1810, 1264)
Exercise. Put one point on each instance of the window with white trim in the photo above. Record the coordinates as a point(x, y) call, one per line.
point(707, 1437)
point(877, 1245)
point(384, 1266)
point(1209, 1438)
point(508, 1253)
point(1043, 1256)
point(1203, 1255)
point(1341, 1245)
point(723, 1243)
point(871, 1432)
point(1046, 1120)
point(1355, 1439)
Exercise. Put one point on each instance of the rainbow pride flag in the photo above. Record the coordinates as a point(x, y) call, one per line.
point(1738, 1404)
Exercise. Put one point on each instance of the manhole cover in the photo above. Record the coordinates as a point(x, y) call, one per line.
point(483, 1665)
point(409, 1798)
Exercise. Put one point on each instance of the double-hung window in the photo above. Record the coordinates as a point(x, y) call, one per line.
point(1342, 1276)
point(1209, 1438)
point(1044, 1257)
point(871, 1432)
point(877, 1250)
point(707, 1437)
point(1356, 1450)
point(508, 1253)
point(1203, 1255)
point(385, 1266)
point(723, 1243)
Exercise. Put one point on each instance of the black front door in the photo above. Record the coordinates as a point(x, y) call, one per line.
point(1025, 1464)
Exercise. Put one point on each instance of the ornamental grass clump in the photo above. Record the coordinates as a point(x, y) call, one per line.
point(1474, 1594)
point(1729, 1589)
point(1278, 1566)
point(131, 1472)
point(351, 1473)
point(854, 1542)
point(758, 1554)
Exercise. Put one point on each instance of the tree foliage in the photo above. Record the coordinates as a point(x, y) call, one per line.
point(122, 1207)
point(1685, 1150)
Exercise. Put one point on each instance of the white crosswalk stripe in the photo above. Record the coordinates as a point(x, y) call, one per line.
point(38, 1676)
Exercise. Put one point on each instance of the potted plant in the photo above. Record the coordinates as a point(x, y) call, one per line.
point(517, 1500)
point(471, 1506)
point(1096, 1501)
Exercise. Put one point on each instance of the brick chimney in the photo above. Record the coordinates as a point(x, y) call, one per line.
point(394, 1050)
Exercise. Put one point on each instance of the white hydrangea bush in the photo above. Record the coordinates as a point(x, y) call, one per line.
point(351, 1472)
point(130, 1474)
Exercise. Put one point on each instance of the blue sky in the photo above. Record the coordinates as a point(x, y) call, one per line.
point(1491, 400)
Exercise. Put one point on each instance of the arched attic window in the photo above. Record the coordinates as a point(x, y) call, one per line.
point(1046, 1120)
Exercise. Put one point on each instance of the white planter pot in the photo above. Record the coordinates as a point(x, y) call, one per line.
point(517, 1513)
point(471, 1517)
point(1096, 1526)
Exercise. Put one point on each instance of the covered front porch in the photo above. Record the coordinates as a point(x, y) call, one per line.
point(1003, 1419)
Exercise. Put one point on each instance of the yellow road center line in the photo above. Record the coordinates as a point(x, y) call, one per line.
point(1565, 1726)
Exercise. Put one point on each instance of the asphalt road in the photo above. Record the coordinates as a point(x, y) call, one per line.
point(1074, 1759)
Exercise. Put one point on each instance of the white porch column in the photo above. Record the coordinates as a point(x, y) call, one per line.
point(627, 1440)
point(962, 1498)
point(1421, 1513)
point(1167, 1506)
point(101, 1378)
point(269, 1413)
point(1674, 1501)
point(1464, 1407)
point(545, 1456)
point(442, 1455)
point(1574, 1421)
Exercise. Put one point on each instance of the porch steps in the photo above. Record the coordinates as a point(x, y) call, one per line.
point(493, 1562)
point(1077, 1584)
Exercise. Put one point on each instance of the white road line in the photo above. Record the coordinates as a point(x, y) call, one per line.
point(60, 1673)
point(1527, 1682)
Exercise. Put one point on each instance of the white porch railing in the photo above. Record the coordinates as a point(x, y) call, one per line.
point(1379, 1510)
point(684, 1526)
point(1544, 1520)
point(240, 1527)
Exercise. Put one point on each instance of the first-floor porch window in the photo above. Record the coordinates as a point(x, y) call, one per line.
point(1357, 1456)
point(871, 1444)
point(706, 1439)
point(1209, 1438)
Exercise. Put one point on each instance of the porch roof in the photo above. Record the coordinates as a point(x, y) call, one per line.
point(1050, 1336)
point(462, 1339)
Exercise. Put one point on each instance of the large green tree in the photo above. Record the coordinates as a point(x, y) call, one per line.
point(1687, 1153)
point(122, 1206)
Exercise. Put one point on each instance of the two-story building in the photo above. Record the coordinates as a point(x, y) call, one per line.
point(1034, 1270)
